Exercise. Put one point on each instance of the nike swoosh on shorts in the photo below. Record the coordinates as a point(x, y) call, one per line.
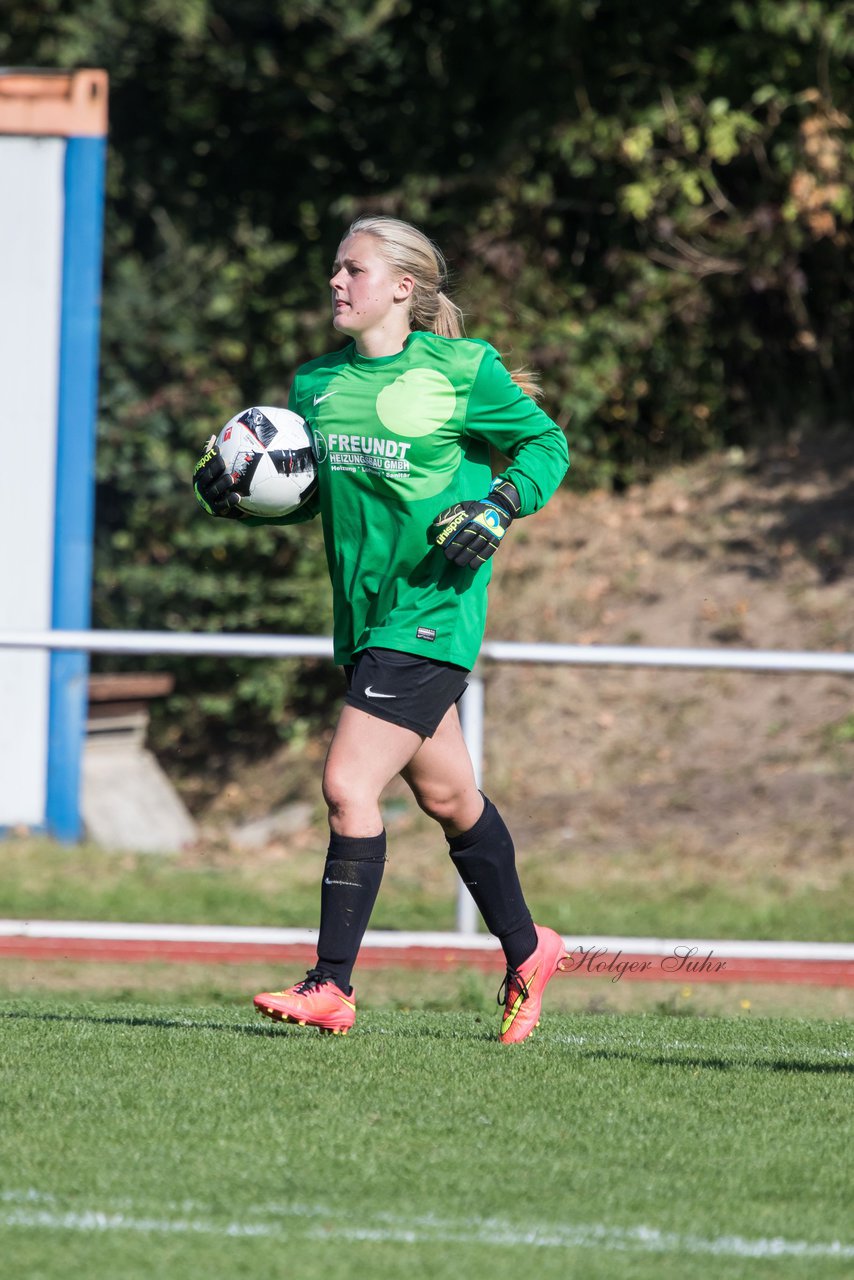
point(369, 693)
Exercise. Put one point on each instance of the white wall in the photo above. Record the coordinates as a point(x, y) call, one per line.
point(31, 224)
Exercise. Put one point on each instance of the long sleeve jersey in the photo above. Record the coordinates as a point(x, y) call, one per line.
point(398, 439)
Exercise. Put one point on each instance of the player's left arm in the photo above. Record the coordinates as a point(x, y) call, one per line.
point(502, 414)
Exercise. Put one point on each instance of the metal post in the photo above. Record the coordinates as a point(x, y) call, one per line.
point(472, 705)
point(471, 717)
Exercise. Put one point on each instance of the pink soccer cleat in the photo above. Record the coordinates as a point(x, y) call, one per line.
point(522, 989)
point(314, 1002)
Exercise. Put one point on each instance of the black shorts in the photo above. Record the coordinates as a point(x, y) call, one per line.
point(403, 688)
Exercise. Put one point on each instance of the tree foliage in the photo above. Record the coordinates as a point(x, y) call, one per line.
point(651, 204)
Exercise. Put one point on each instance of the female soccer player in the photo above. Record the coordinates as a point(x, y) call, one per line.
point(403, 417)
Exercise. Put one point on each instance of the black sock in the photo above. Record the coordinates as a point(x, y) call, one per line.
point(486, 860)
point(351, 882)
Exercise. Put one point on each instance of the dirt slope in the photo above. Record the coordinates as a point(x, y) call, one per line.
point(738, 550)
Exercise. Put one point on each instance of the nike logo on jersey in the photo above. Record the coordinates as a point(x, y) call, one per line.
point(370, 693)
point(319, 399)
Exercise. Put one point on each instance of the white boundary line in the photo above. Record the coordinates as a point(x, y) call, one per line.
point(118, 931)
point(32, 1210)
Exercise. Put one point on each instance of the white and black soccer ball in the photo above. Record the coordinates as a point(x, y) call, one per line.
point(270, 454)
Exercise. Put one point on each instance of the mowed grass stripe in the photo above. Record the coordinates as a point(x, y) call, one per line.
point(419, 1142)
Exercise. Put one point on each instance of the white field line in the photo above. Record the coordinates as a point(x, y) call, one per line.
point(117, 931)
point(615, 1044)
point(32, 1210)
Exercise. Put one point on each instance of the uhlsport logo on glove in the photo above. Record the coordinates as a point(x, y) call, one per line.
point(204, 460)
point(450, 522)
point(490, 520)
point(469, 532)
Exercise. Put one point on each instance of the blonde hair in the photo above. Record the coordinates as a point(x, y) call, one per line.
point(409, 251)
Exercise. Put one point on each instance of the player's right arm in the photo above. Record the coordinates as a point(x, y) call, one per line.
point(214, 488)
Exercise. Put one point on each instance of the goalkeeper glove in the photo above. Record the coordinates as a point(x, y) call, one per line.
point(470, 532)
point(214, 486)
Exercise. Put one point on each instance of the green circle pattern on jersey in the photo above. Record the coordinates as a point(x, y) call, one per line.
point(415, 405)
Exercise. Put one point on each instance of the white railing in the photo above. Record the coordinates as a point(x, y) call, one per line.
point(198, 644)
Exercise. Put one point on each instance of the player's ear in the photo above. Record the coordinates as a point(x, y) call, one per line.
point(403, 289)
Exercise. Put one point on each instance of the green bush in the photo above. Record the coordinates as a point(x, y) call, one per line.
point(651, 204)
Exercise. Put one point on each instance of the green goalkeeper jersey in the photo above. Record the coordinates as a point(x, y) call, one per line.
point(398, 439)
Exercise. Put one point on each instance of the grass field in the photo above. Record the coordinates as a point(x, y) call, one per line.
point(198, 1141)
point(674, 896)
point(152, 1125)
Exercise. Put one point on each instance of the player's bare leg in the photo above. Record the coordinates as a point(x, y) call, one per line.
point(363, 757)
point(365, 754)
point(441, 776)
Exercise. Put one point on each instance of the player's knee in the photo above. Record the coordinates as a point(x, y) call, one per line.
point(444, 804)
point(336, 792)
point(345, 792)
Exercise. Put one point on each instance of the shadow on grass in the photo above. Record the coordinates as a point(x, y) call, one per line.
point(721, 1064)
point(132, 1020)
point(418, 1029)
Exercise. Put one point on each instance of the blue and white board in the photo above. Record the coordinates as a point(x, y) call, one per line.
point(52, 162)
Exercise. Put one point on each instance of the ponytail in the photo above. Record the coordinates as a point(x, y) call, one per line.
point(448, 320)
point(528, 380)
point(409, 251)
